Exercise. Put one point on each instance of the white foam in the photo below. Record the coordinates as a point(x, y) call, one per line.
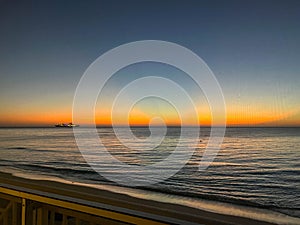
point(206, 205)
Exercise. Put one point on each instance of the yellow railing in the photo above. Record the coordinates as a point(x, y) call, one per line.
point(26, 208)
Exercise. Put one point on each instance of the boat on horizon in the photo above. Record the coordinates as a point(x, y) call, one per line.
point(66, 125)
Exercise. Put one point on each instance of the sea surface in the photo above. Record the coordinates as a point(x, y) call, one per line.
point(255, 167)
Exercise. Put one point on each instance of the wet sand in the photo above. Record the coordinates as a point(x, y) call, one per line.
point(155, 208)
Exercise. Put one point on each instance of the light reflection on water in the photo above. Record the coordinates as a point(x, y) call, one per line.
point(255, 166)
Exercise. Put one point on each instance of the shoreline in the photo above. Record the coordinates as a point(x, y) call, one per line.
point(133, 201)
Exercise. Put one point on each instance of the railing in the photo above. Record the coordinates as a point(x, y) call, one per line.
point(23, 207)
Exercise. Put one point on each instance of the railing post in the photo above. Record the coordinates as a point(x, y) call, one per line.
point(23, 211)
point(14, 213)
point(39, 219)
point(52, 217)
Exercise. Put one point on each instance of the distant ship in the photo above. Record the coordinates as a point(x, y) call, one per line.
point(66, 125)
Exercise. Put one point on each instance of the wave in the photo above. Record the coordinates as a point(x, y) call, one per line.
point(88, 174)
point(32, 149)
point(58, 170)
point(21, 148)
point(279, 217)
point(84, 174)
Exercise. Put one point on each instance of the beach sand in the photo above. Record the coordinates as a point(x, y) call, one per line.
point(180, 212)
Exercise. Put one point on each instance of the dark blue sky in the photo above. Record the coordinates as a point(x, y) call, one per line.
point(253, 47)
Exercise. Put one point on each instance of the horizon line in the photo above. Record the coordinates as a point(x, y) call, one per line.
point(169, 126)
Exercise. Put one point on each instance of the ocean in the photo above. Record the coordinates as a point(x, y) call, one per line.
point(258, 168)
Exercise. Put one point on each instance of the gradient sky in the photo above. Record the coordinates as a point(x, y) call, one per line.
point(252, 47)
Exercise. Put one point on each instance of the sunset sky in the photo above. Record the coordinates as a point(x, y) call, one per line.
point(252, 47)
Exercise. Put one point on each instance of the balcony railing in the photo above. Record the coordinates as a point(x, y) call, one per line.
point(23, 207)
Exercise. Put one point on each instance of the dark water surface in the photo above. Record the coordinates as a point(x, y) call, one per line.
point(256, 166)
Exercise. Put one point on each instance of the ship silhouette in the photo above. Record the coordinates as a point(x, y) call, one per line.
point(66, 125)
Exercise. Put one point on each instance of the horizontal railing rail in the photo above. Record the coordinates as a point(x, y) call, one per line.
point(70, 207)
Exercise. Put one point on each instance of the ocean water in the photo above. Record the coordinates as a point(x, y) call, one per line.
point(255, 167)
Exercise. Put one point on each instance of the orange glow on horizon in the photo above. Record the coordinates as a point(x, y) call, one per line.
point(36, 119)
point(140, 118)
point(233, 118)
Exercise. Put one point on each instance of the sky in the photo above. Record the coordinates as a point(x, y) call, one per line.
point(252, 47)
